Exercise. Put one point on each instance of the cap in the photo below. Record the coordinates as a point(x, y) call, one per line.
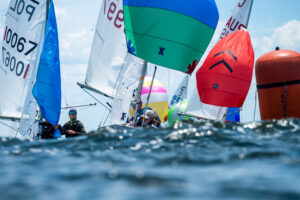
point(72, 111)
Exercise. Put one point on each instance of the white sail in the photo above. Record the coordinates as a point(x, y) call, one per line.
point(109, 49)
point(125, 90)
point(238, 20)
point(201, 110)
point(181, 92)
point(29, 124)
point(23, 29)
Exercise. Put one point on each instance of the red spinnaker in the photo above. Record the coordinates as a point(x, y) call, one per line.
point(225, 77)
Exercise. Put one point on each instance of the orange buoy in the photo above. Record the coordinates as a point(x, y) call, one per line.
point(278, 84)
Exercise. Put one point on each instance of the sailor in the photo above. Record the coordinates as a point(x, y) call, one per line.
point(141, 115)
point(50, 131)
point(73, 127)
point(150, 118)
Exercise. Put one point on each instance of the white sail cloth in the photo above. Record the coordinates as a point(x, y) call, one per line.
point(29, 124)
point(181, 92)
point(109, 49)
point(238, 20)
point(23, 29)
point(126, 89)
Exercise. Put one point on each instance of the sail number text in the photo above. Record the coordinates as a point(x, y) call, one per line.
point(22, 46)
point(22, 6)
point(11, 62)
point(19, 43)
point(115, 14)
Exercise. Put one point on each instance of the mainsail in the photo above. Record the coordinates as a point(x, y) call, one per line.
point(23, 31)
point(238, 20)
point(109, 49)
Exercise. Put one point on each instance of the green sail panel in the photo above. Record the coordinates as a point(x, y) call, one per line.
point(167, 37)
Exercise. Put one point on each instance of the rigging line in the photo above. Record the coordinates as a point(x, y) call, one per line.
point(96, 99)
point(120, 73)
point(79, 106)
point(149, 95)
point(12, 128)
point(106, 119)
point(28, 130)
point(64, 93)
point(168, 81)
point(228, 114)
point(102, 119)
point(256, 93)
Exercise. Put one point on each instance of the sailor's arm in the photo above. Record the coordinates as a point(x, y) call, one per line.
point(82, 129)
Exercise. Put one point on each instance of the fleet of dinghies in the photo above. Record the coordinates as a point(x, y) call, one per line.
point(130, 36)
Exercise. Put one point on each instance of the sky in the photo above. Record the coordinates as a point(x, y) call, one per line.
point(272, 23)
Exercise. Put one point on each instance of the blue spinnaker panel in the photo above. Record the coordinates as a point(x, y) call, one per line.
point(233, 115)
point(47, 89)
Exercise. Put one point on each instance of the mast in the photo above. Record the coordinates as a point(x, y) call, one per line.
point(149, 95)
point(250, 11)
point(40, 117)
point(139, 92)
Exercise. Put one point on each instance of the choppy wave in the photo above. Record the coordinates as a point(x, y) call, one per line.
point(192, 160)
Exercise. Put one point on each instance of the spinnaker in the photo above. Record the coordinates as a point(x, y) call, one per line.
point(225, 77)
point(239, 19)
point(170, 33)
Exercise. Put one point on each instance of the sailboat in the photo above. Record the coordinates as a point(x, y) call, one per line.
point(30, 69)
point(172, 34)
point(117, 69)
point(109, 60)
point(196, 108)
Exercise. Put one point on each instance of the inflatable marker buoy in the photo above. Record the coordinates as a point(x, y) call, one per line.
point(278, 84)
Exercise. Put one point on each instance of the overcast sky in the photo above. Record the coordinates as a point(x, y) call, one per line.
point(273, 23)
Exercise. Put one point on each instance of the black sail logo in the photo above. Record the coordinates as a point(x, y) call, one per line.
point(223, 61)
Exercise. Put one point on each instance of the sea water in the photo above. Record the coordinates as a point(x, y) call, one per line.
point(192, 160)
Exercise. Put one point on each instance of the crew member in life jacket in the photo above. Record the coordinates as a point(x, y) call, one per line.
point(151, 115)
point(150, 119)
point(73, 127)
point(50, 131)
